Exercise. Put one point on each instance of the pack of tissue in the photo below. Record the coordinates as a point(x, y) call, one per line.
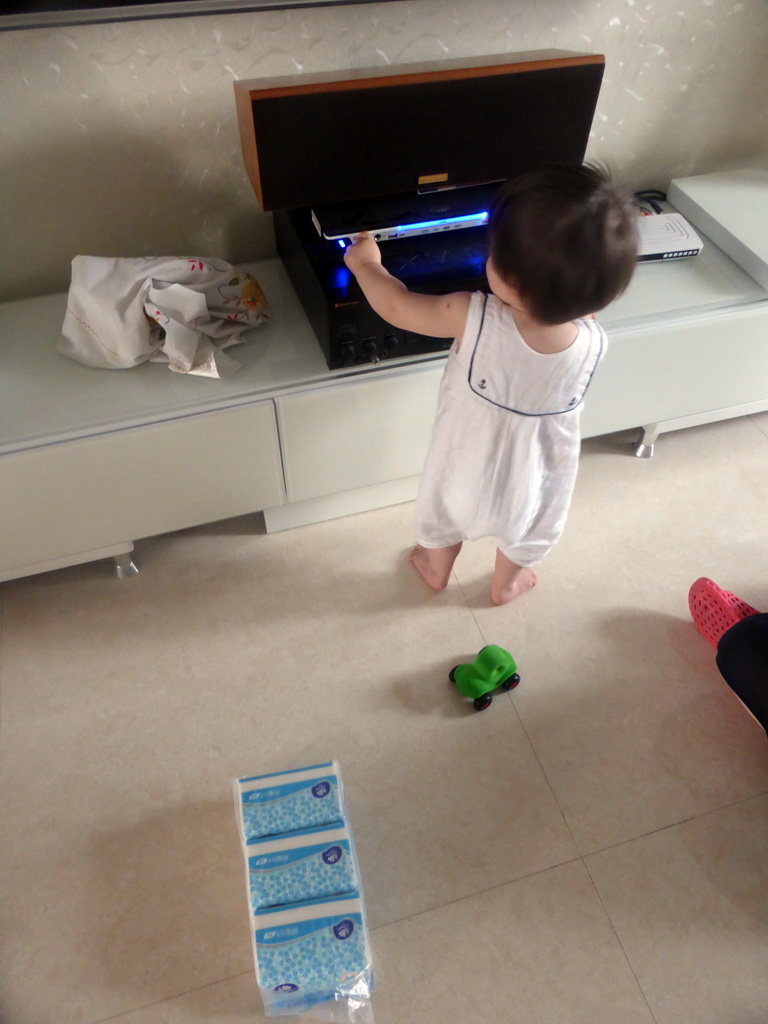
point(311, 952)
point(310, 941)
point(270, 805)
point(300, 866)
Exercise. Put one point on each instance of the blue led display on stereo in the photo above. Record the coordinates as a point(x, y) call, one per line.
point(470, 218)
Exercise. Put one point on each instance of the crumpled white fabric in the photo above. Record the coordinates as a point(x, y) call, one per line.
point(125, 311)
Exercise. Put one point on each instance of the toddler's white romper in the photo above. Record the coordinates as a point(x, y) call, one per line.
point(505, 444)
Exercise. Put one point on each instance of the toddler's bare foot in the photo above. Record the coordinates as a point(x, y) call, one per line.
point(420, 559)
point(523, 581)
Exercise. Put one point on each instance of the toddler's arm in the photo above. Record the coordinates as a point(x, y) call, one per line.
point(438, 316)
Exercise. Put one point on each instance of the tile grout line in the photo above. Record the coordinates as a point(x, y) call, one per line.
point(675, 824)
point(551, 867)
point(470, 609)
point(753, 418)
point(546, 777)
point(609, 919)
point(168, 999)
point(521, 878)
point(641, 835)
point(625, 842)
point(473, 895)
point(582, 859)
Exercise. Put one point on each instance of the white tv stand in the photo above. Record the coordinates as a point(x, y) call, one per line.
point(92, 460)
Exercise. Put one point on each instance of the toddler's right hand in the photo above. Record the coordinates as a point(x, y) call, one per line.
point(363, 249)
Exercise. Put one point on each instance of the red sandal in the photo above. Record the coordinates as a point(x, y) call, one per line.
point(714, 610)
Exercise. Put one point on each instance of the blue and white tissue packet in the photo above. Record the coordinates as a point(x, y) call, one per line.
point(270, 805)
point(308, 932)
point(300, 866)
point(310, 953)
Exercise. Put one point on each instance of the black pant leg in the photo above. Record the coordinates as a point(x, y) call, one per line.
point(742, 657)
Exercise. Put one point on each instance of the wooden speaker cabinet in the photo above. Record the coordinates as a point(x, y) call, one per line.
point(334, 137)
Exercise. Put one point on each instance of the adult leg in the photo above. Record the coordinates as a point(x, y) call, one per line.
point(742, 658)
point(435, 564)
point(510, 580)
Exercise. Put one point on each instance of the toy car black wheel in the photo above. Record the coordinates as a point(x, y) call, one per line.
point(511, 683)
point(481, 703)
point(452, 674)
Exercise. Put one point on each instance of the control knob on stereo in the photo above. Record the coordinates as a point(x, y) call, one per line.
point(372, 348)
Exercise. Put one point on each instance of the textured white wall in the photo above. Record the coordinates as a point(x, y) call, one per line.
point(121, 139)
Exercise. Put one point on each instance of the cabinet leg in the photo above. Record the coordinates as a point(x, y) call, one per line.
point(124, 566)
point(648, 438)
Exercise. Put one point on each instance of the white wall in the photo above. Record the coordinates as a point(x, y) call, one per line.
point(121, 139)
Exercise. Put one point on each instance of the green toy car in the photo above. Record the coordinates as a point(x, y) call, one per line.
point(492, 669)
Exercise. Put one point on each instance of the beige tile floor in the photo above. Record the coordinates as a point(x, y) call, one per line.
point(592, 849)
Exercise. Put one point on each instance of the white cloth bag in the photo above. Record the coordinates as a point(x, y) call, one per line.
point(183, 312)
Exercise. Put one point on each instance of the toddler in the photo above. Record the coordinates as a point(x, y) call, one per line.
point(505, 443)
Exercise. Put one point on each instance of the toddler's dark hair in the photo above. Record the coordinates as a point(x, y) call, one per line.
point(566, 239)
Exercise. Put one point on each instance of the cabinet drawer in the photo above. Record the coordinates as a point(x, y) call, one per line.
point(358, 433)
point(82, 495)
point(674, 370)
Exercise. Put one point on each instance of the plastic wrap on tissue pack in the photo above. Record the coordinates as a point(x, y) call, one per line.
point(168, 309)
point(312, 953)
point(301, 866)
point(270, 805)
